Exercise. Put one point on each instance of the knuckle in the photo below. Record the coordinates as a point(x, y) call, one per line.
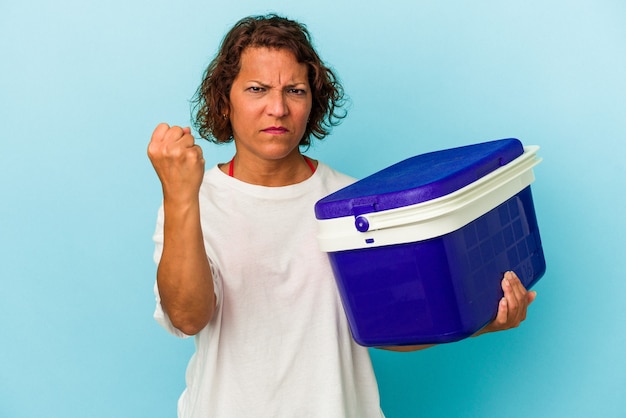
point(154, 150)
point(173, 133)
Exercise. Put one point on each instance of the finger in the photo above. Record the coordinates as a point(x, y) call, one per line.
point(173, 134)
point(198, 152)
point(179, 135)
point(159, 132)
point(521, 297)
point(156, 140)
point(188, 139)
point(516, 304)
point(503, 314)
point(508, 287)
point(516, 285)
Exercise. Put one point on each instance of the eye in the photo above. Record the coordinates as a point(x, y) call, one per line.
point(297, 92)
point(256, 89)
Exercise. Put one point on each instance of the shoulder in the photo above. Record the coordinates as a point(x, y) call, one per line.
point(333, 179)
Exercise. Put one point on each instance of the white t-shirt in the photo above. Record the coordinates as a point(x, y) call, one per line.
point(279, 344)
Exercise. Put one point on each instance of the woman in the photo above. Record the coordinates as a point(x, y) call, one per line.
point(238, 262)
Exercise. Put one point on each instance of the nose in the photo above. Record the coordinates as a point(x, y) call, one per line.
point(277, 104)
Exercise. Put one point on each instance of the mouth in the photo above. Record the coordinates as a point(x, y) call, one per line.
point(275, 130)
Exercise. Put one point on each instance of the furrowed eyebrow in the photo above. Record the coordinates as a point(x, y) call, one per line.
point(267, 86)
point(298, 84)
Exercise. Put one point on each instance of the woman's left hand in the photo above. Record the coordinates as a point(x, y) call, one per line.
point(512, 307)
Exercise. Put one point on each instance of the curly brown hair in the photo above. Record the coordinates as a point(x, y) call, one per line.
point(211, 101)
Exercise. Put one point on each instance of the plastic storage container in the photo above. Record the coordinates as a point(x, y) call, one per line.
point(419, 249)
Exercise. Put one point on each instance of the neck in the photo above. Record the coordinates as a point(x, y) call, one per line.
point(292, 169)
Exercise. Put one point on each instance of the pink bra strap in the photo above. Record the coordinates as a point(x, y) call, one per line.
point(310, 163)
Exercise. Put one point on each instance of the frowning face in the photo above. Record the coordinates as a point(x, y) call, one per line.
point(270, 103)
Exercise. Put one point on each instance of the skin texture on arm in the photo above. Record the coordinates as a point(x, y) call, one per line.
point(512, 310)
point(270, 104)
point(183, 275)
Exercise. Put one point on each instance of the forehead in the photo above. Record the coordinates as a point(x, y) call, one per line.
point(271, 65)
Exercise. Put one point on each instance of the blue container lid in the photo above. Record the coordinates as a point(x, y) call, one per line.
point(419, 179)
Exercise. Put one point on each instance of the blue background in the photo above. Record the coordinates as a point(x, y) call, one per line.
point(82, 85)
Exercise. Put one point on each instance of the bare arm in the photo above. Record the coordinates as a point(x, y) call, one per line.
point(183, 275)
point(407, 348)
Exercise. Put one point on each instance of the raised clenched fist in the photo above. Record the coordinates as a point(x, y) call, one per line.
point(177, 161)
